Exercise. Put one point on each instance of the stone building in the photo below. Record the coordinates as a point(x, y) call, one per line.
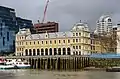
point(73, 42)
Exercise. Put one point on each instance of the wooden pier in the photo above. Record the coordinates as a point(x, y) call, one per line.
point(56, 62)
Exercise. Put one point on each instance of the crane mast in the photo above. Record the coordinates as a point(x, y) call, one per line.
point(46, 6)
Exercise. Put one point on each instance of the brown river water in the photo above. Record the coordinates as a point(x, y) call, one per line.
point(37, 74)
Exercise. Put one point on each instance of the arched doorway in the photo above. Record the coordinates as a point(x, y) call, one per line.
point(46, 51)
point(34, 53)
point(55, 51)
point(26, 52)
point(68, 51)
point(64, 51)
point(38, 52)
point(59, 51)
point(42, 52)
point(50, 50)
point(30, 52)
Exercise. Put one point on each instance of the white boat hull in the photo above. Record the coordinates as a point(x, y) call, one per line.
point(23, 66)
point(7, 67)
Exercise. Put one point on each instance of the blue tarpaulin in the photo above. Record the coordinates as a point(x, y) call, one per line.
point(107, 55)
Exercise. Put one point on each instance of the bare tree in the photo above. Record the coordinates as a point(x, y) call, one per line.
point(107, 41)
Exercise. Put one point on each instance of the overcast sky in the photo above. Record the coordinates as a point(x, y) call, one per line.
point(66, 12)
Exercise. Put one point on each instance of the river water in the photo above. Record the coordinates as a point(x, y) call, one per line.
point(36, 74)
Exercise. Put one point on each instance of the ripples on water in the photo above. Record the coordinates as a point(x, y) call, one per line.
point(36, 74)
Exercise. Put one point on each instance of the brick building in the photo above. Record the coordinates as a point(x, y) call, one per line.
point(49, 27)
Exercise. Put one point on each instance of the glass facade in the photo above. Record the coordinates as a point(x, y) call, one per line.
point(9, 26)
point(8, 16)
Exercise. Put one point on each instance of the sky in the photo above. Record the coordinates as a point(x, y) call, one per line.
point(66, 12)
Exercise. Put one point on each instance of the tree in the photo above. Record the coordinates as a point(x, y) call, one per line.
point(108, 41)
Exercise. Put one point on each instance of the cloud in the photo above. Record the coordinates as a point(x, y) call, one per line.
point(66, 12)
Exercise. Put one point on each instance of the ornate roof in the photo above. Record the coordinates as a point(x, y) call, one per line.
point(79, 27)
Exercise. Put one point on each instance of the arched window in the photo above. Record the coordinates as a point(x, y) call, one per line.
point(64, 51)
point(26, 52)
point(38, 52)
point(50, 50)
point(46, 51)
point(68, 51)
point(55, 51)
point(30, 52)
point(79, 52)
point(42, 52)
point(76, 53)
point(34, 53)
point(59, 51)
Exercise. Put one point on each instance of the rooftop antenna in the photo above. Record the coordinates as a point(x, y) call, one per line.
point(80, 21)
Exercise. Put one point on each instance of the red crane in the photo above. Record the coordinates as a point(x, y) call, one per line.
point(45, 11)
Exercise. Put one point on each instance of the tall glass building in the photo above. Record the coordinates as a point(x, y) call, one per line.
point(8, 16)
point(9, 26)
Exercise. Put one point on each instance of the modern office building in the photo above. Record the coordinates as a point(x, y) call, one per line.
point(8, 16)
point(24, 23)
point(7, 39)
point(104, 24)
point(9, 25)
point(49, 27)
point(74, 42)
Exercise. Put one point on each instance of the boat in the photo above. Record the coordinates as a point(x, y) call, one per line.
point(19, 64)
point(113, 69)
point(3, 65)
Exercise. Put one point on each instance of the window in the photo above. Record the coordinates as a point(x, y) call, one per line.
point(109, 20)
point(46, 42)
point(76, 34)
point(68, 41)
point(79, 47)
point(73, 34)
point(50, 42)
point(73, 40)
point(76, 47)
point(1, 33)
point(73, 47)
point(73, 53)
point(79, 40)
point(3, 41)
point(26, 43)
point(76, 40)
point(63, 41)
point(34, 42)
point(79, 34)
point(42, 42)
point(38, 42)
point(22, 43)
point(59, 41)
point(7, 36)
point(55, 41)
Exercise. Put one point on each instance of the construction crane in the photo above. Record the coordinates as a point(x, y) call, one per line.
point(46, 6)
